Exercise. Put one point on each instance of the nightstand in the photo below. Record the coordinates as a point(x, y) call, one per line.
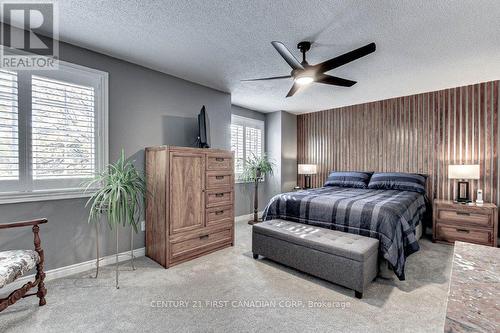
point(473, 224)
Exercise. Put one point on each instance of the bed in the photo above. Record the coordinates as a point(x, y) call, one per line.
point(391, 216)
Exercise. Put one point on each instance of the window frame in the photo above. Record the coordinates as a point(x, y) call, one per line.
point(26, 191)
point(248, 122)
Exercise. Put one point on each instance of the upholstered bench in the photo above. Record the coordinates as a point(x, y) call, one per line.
point(346, 259)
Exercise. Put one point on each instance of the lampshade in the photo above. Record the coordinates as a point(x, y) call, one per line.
point(307, 169)
point(463, 171)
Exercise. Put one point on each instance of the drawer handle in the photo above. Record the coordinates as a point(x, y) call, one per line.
point(204, 237)
point(463, 213)
point(465, 231)
point(218, 195)
point(219, 177)
point(219, 212)
point(219, 159)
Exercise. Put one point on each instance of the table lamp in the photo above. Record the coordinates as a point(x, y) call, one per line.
point(463, 172)
point(307, 170)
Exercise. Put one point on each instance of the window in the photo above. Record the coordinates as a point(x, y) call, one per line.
point(53, 131)
point(247, 139)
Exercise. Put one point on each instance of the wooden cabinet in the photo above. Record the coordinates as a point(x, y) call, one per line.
point(189, 204)
point(472, 224)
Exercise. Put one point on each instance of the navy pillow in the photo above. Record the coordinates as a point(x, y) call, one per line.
point(348, 179)
point(398, 181)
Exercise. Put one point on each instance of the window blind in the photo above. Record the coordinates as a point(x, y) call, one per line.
point(9, 129)
point(237, 147)
point(247, 141)
point(63, 129)
point(253, 141)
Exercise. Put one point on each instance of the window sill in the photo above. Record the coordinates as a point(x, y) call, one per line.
point(20, 197)
point(247, 181)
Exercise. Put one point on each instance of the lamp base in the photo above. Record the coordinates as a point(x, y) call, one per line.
point(307, 181)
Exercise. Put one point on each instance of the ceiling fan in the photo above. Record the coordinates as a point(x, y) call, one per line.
point(304, 74)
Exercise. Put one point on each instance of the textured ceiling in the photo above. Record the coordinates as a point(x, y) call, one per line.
point(422, 45)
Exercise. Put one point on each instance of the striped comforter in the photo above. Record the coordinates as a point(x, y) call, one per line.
point(391, 216)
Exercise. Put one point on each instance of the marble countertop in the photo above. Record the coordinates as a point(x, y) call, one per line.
point(474, 296)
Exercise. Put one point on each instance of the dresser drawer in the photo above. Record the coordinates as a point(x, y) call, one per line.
point(216, 179)
point(456, 233)
point(219, 162)
point(193, 246)
point(219, 197)
point(220, 215)
point(482, 220)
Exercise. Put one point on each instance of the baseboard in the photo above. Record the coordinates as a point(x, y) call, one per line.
point(60, 272)
point(246, 217)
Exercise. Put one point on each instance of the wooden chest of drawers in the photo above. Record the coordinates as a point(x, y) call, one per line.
point(190, 203)
point(472, 224)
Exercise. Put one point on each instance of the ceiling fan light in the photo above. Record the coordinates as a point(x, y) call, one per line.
point(303, 80)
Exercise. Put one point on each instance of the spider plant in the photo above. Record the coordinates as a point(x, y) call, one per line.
point(254, 170)
point(119, 198)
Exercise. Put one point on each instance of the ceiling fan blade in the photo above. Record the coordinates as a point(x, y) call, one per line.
point(345, 58)
point(270, 78)
point(335, 81)
point(295, 88)
point(287, 55)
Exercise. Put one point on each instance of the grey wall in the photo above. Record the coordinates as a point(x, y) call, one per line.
point(243, 112)
point(288, 151)
point(281, 145)
point(144, 110)
point(273, 149)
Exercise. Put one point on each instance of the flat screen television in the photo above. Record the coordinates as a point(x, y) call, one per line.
point(202, 129)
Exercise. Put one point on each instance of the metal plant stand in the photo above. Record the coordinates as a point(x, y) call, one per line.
point(98, 258)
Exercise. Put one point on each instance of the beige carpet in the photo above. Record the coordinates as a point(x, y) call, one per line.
point(228, 291)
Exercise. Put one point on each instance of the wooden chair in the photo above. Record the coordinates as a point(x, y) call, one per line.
point(15, 263)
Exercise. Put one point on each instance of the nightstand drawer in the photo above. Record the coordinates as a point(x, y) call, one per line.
point(450, 234)
point(483, 220)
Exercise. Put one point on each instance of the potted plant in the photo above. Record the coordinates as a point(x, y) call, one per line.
point(119, 197)
point(254, 170)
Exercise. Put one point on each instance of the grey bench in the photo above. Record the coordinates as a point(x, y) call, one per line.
point(346, 259)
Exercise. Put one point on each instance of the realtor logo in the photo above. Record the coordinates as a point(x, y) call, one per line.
point(29, 35)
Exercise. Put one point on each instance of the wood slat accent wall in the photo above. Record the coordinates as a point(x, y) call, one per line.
point(421, 133)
